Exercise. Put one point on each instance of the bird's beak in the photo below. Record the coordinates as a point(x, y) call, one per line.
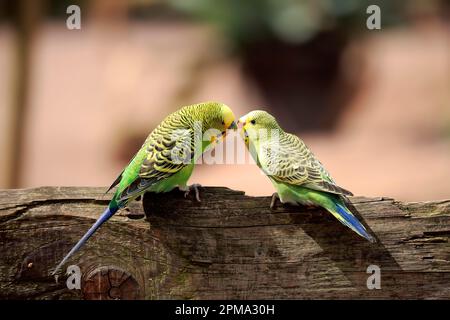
point(241, 125)
point(224, 133)
point(233, 126)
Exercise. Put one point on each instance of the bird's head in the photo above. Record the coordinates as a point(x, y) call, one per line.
point(219, 118)
point(256, 124)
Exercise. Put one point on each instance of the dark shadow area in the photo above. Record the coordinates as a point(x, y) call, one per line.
point(302, 83)
point(194, 231)
point(353, 254)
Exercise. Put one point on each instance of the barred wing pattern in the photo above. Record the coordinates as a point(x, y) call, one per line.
point(289, 160)
point(168, 149)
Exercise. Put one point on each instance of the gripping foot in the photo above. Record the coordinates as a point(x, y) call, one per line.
point(187, 190)
point(273, 202)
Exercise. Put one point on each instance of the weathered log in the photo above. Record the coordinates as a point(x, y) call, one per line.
point(229, 246)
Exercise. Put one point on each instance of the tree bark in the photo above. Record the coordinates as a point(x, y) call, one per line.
point(228, 246)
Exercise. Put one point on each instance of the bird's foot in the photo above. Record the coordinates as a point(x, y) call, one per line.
point(194, 187)
point(273, 202)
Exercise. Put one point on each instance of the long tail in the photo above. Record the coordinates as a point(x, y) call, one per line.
point(343, 214)
point(109, 212)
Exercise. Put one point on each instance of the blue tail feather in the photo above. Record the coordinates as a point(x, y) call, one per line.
point(108, 213)
point(352, 222)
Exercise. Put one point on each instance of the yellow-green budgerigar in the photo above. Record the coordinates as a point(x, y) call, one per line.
point(298, 176)
point(166, 159)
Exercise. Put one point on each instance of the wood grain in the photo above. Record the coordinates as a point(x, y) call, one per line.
point(229, 246)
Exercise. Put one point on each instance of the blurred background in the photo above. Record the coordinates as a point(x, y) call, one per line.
point(373, 105)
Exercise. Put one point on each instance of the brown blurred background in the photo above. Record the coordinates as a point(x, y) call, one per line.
point(373, 105)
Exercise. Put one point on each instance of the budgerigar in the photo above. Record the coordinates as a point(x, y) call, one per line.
point(166, 159)
point(298, 176)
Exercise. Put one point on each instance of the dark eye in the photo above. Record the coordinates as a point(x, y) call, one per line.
point(253, 121)
point(223, 122)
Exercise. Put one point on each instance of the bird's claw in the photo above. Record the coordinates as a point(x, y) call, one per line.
point(194, 187)
point(273, 202)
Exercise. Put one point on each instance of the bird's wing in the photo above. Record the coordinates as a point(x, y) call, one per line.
point(116, 182)
point(290, 161)
point(166, 153)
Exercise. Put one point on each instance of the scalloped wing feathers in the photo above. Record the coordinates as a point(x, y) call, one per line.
point(290, 161)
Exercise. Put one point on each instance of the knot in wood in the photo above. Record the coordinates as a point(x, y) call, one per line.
point(110, 283)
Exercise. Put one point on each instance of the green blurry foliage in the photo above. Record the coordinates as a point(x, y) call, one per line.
point(291, 21)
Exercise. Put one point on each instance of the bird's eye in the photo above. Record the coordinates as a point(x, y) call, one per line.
point(253, 121)
point(223, 122)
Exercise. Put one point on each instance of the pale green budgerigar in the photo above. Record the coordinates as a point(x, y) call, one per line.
point(297, 175)
point(166, 159)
